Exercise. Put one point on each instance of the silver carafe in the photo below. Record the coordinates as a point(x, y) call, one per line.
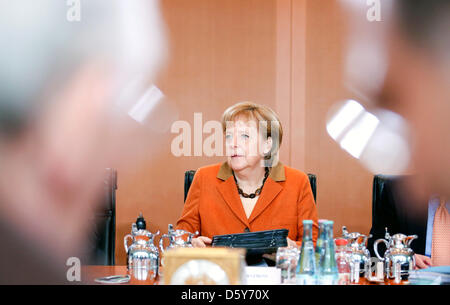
point(177, 239)
point(359, 254)
point(399, 258)
point(142, 254)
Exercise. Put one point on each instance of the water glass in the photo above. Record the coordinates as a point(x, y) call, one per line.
point(286, 260)
point(143, 269)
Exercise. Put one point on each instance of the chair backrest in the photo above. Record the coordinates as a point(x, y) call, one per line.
point(393, 207)
point(103, 235)
point(378, 195)
point(377, 191)
point(189, 176)
point(313, 182)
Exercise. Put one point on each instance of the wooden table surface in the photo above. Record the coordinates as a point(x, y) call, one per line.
point(90, 273)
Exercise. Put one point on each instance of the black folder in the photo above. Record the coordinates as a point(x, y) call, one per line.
point(256, 243)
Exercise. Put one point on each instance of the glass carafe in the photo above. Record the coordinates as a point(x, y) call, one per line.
point(306, 267)
point(328, 272)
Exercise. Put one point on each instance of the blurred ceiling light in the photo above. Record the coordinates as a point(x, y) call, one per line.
point(143, 107)
point(378, 140)
point(357, 137)
point(348, 113)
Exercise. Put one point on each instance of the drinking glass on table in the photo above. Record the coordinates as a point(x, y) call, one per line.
point(286, 260)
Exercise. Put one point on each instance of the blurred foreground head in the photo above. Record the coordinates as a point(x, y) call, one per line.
point(70, 73)
point(417, 85)
point(402, 64)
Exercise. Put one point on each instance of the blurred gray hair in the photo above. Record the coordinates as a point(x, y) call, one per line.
point(39, 47)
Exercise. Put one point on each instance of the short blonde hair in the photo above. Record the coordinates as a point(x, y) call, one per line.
point(260, 113)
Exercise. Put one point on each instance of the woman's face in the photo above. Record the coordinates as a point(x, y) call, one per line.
point(245, 146)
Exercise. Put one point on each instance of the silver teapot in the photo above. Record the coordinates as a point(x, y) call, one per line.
point(142, 254)
point(359, 254)
point(177, 239)
point(399, 258)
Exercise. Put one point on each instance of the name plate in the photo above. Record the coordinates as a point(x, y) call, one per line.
point(262, 276)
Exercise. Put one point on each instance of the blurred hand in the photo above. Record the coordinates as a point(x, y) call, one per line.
point(201, 242)
point(422, 261)
point(271, 256)
point(291, 243)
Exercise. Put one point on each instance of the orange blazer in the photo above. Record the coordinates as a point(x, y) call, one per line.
point(213, 205)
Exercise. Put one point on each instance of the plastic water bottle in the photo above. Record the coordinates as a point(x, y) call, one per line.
point(306, 267)
point(328, 272)
point(320, 240)
point(343, 261)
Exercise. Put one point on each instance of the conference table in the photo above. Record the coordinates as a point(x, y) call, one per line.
point(90, 272)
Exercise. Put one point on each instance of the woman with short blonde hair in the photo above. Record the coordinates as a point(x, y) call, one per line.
point(252, 190)
point(268, 122)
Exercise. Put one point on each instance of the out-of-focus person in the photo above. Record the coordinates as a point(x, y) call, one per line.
point(416, 85)
point(252, 190)
point(69, 74)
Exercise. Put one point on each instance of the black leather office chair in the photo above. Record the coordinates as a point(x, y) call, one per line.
point(377, 190)
point(103, 236)
point(189, 176)
point(379, 182)
point(313, 182)
point(397, 210)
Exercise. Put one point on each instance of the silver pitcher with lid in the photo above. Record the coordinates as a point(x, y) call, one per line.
point(177, 239)
point(399, 258)
point(359, 254)
point(142, 254)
